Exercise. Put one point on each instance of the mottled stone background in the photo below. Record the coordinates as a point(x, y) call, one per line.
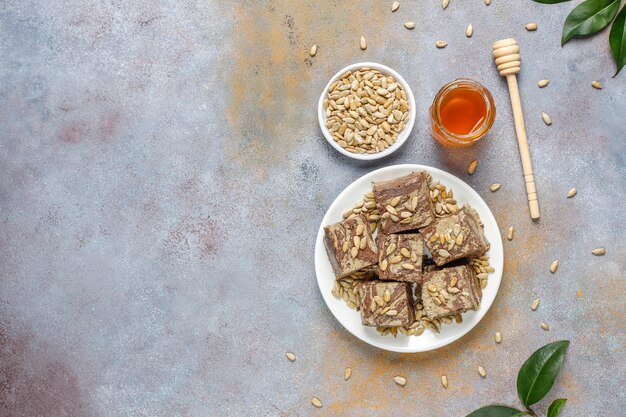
point(163, 177)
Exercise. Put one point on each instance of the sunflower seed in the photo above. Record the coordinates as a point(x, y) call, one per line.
point(359, 230)
point(444, 4)
point(392, 313)
point(405, 252)
point(357, 241)
point(598, 251)
point(546, 118)
point(395, 259)
point(313, 50)
point(386, 296)
point(482, 372)
point(443, 253)
point(483, 283)
point(571, 193)
point(363, 43)
point(290, 356)
point(471, 168)
point(400, 380)
point(383, 265)
point(543, 83)
point(391, 248)
point(395, 6)
point(354, 252)
point(596, 85)
point(363, 243)
point(379, 300)
point(441, 44)
point(554, 266)
point(469, 31)
point(406, 214)
point(494, 187)
point(535, 305)
point(545, 326)
point(531, 26)
point(391, 210)
point(437, 301)
point(394, 201)
point(498, 337)
point(409, 25)
point(444, 381)
point(459, 239)
point(346, 246)
point(487, 2)
point(408, 266)
point(316, 402)
point(347, 374)
point(510, 233)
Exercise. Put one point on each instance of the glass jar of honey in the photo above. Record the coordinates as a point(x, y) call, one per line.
point(462, 113)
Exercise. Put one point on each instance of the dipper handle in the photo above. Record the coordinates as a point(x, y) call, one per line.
point(506, 54)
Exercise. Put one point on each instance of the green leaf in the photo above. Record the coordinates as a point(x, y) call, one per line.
point(538, 373)
point(617, 40)
point(555, 407)
point(550, 1)
point(589, 17)
point(496, 411)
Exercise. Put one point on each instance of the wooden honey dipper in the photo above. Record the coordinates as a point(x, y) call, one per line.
point(506, 53)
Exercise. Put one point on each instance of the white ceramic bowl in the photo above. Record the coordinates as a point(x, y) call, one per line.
point(402, 136)
point(351, 319)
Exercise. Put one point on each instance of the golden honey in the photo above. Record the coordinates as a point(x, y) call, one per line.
point(462, 113)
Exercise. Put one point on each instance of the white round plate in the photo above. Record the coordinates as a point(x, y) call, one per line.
point(351, 319)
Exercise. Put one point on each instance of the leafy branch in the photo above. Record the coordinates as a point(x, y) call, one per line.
point(534, 380)
point(590, 17)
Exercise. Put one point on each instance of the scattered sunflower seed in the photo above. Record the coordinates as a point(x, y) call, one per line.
point(347, 374)
point(495, 187)
point(395, 6)
point(409, 25)
point(441, 44)
point(597, 85)
point(363, 43)
point(531, 27)
point(290, 356)
point(545, 326)
point(471, 168)
point(469, 31)
point(598, 251)
point(498, 337)
point(487, 2)
point(313, 50)
point(535, 305)
point(543, 83)
point(444, 4)
point(316, 402)
point(444, 381)
point(554, 266)
point(546, 118)
point(510, 233)
point(571, 193)
point(482, 372)
point(400, 380)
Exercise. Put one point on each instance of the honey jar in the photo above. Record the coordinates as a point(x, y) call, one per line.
point(462, 113)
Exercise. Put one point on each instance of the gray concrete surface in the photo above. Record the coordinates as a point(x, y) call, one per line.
point(162, 179)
